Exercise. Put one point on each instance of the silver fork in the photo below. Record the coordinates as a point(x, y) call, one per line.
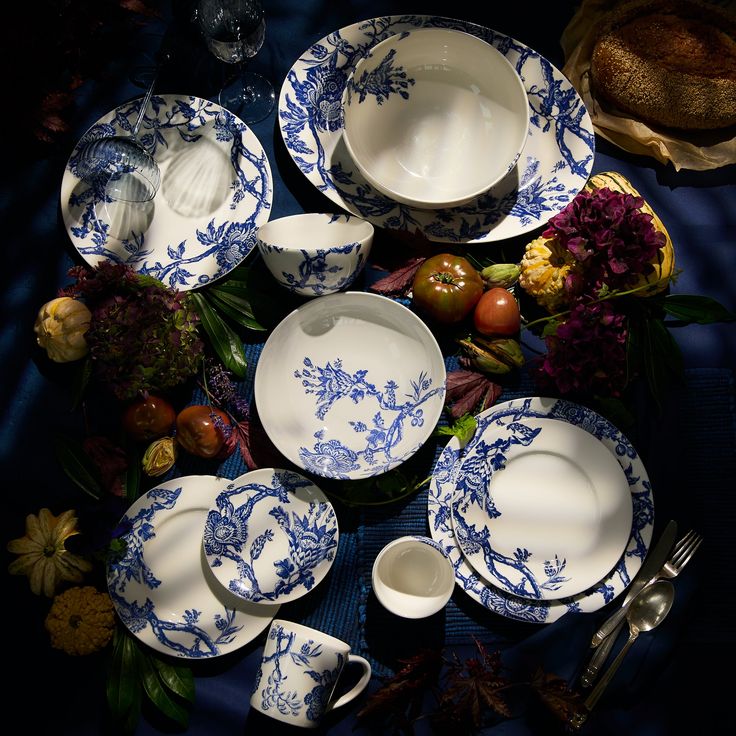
point(681, 555)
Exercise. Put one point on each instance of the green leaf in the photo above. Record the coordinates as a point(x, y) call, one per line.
point(463, 428)
point(225, 341)
point(662, 359)
point(178, 678)
point(80, 381)
point(123, 682)
point(235, 307)
point(702, 310)
point(77, 465)
point(132, 481)
point(157, 694)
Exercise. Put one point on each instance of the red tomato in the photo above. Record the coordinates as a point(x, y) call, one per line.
point(497, 313)
point(447, 287)
point(149, 418)
point(197, 432)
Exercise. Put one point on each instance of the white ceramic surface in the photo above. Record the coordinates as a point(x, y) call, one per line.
point(442, 491)
point(299, 672)
point(216, 189)
point(270, 536)
point(554, 167)
point(541, 508)
point(162, 587)
point(413, 577)
point(434, 117)
point(313, 254)
point(350, 385)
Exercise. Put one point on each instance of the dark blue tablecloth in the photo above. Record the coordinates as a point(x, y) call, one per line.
point(673, 680)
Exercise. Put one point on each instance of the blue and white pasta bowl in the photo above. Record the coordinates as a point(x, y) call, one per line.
point(350, 385)
point(313, 254)
point(435, 117)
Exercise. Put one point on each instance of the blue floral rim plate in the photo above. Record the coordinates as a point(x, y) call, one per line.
point(271, 536)
point(554, 166)
point(161, 585)
point(442, 491)
point(350, 385)
point(541, 509)
point(216, 189)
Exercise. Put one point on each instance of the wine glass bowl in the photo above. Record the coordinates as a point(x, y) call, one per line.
point(234, 31)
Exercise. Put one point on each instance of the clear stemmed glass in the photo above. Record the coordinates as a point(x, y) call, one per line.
point(234, 31)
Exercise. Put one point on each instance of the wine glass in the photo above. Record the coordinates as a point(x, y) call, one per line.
point(234, 31)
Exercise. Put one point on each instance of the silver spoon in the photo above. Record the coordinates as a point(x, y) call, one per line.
point(647, 611)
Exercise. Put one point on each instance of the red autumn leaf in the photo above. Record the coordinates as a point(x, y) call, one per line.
point(557, 695)
point(469, 392)
point(398, 282)
point(110, 461)
point(393, 699)
point(255, 447)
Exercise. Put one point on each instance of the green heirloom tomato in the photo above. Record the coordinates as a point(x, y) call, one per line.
point(446, 288)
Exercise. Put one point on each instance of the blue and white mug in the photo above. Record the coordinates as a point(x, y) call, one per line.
point(299, 671)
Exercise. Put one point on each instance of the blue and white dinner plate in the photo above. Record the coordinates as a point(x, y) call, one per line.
point(161, 585)
point(442, 491)
point(541, 509)
point(553, 168)
point(216, 189)
point(270, 536)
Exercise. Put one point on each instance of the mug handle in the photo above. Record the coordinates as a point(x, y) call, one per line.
point(359, 686)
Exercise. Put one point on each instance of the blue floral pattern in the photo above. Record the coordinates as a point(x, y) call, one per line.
point(296, 545)
point(320, 667)
point(200, 251)
point(558, 155)
point(378, 441)
point(132, 585)
point(442, 492)
point(381, 81)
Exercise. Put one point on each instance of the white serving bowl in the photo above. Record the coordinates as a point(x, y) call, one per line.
point(350, 385)
point(413, 577)
point(314, 254)
point(435, 117)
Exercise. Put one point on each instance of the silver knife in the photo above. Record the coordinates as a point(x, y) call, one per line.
point(657, 556)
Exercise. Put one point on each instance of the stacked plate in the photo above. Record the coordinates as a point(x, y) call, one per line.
point(548, 509)
point(207, 562)
point(554, 166)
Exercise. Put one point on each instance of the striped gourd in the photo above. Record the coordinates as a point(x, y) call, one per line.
point(664, 261)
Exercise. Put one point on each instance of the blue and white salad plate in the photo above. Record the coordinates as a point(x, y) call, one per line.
point(216, 189)
point(350, 385)
point(161, 585)
point(541, 508)
point(554, 166)
point(270, 536)
point(442, 491)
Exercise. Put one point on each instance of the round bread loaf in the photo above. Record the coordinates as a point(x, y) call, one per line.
point(671, 64)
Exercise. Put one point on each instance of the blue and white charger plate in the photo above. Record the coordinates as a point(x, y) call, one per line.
point(271, 536)
point(162, 587)
point(553, 168)
point(541, 509)
point(442, 491)
point(216, 189)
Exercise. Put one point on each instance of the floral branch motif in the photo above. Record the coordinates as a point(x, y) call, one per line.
point(330, 384)
point(131, 566)
point(382, 81)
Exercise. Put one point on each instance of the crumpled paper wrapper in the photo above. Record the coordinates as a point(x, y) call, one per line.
point(698, 151)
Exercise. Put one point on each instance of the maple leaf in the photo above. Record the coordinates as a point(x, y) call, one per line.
point(399, 699)
point(469, 392)
point(255, 446)
point(557, 695)
point(474, 687)
point(399, 281)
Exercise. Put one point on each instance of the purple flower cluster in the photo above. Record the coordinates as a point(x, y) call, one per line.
point(587, 353)
point(612, 240)
point(143, 335)
point(613, 243)
point(220, 385)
